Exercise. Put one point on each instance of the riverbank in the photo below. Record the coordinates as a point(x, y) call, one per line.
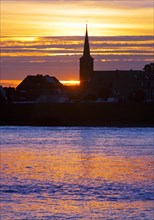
point(78, 114)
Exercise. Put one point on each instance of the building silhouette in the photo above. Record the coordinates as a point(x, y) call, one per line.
point(123, 85)
point(40, 89)
point(95, 86)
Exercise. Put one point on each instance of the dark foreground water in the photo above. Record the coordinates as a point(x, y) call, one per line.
point(76, 173)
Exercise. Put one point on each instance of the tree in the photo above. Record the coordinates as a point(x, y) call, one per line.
point(149, 68)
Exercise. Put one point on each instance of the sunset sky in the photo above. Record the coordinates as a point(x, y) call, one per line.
point(46, 37)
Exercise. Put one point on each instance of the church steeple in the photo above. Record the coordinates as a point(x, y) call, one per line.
point(86, 51)
point(86, 62)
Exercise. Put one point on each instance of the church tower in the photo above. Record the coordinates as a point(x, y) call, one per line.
point(86, 63)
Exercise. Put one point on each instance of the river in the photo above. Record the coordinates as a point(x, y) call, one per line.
point(76, 173)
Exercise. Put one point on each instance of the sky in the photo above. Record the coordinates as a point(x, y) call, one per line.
point(46, 37)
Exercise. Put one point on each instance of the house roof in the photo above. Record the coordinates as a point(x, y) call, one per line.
point(39, 82)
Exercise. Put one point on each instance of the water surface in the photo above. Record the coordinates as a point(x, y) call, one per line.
point(76, 173)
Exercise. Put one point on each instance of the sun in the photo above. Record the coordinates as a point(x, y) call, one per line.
point(70, 82)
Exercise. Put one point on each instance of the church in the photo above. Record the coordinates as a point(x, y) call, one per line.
point(123, 85)
point(95, 86)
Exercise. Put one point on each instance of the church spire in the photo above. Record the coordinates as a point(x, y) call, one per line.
point(86, 63)
point(86, 51)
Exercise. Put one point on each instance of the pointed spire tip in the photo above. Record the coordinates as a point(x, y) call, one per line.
point(86, 43)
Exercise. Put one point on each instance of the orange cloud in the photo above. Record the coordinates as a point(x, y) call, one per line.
point(59, 56)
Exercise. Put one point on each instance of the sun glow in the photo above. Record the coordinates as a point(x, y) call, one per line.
point(15, 83)
point(44, 37)
point(10, 83)
point(70, 82)
point(61, 18)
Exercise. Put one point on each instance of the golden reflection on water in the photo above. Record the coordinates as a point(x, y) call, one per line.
point(63, 181)
point(60, 166)
point(66, 207)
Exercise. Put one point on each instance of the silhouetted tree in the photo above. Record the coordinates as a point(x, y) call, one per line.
point(10, 94)
point(2, 96)
point(149, 68)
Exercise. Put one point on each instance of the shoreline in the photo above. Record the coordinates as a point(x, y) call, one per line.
point(78, 114)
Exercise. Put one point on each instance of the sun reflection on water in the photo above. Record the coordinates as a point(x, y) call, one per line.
point(60, 166)
point(49, 174)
